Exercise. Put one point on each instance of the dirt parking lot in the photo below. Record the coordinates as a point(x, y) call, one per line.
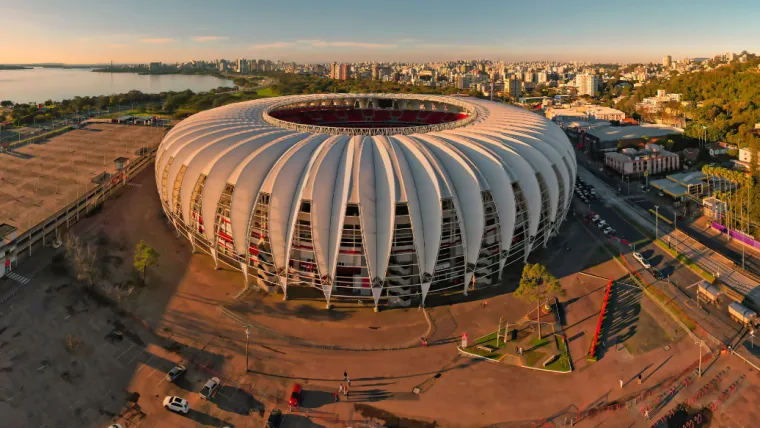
point(39, 179)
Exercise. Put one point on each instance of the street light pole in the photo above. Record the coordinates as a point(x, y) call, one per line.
point(656, 222)
point(700, 343)
point(247, 335)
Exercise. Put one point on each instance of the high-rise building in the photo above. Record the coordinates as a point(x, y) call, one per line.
point(587, 84)
point(528, 77)
point(542, 77)
point(464, 81)
point(667, 61)
point(515, 88)
point(334, 71)
point(375, 72)
point(242, 65)
point(345, 72)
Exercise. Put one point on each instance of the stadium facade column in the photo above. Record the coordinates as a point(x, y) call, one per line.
point(528, 247)
point(427, 280)
point(377, 290)
point(216, 258)
point(327, 289)
point(502, 262)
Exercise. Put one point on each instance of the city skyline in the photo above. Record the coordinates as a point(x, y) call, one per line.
point(88, 32)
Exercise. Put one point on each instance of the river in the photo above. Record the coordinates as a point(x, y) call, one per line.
point(41, 84)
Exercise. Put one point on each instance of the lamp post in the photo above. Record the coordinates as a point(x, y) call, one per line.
point(656, 222)
point(701, 343)
point(247, 335)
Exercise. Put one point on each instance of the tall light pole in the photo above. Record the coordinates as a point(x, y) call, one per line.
point(701, 343)
point(247, 335)
point(656, 222)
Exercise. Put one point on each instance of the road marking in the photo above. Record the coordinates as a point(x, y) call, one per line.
point(18, 278)
point(128, 349)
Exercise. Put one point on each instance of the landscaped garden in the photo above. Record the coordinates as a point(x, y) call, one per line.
point(523, 348)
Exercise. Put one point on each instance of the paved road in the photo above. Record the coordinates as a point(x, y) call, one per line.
point(680, 282)
point(694, 250)
point(731, 251)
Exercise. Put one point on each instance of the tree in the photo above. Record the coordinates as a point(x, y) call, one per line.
point(145, 256)
point(6, 103)
point(537, 284)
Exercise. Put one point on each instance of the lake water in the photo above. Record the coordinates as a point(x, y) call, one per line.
point(41, 84)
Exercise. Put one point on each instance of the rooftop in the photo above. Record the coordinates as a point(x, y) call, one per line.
point(6, 229)
point(607, 133)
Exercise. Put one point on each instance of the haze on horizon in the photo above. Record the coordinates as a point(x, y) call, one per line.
point(85, 32)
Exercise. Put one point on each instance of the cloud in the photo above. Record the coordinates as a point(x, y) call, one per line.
point(274, 45)
point(203, 39)
point(323, 44)
point(157, 41)
point(320, 44)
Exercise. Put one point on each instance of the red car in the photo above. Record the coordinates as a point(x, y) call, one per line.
point(295, 396)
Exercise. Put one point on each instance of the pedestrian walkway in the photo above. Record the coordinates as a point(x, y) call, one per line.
point(18, 278)
point(690, 248)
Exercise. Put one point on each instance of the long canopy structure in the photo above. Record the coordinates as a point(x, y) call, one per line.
point(388, 197)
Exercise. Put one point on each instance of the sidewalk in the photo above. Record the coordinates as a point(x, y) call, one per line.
point(701, 255)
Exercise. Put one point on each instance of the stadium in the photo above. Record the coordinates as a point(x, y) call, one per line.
point(383, 197)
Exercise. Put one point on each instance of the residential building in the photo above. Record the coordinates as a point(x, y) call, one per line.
point(515, 88)
point(542, 77)
point(375, 72)
point(334, 71)
point(345, 72)
point(154, 66)
point(653, 160)
point(242, 65)
point(667, 61)
point(585, 113)
point(463, 82)
point(587, 84)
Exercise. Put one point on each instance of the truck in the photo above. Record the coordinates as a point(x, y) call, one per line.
point(709, 292)
point(742, 314)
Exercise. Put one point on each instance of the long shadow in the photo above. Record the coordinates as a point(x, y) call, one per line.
point(625, 310)
point(311, 399)
point(236, 400)
point(204, 419)
point(658, 368)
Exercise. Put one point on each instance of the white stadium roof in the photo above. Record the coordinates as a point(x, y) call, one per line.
point(241, 145)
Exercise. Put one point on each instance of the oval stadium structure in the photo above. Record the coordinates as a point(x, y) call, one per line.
point(388, 197)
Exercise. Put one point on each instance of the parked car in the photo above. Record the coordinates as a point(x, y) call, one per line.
point(661, 194)
point(115, 426)
point(176, 404)
point(210, 388)
point(642, 260)
point(275, 418)
point(295, 396)
point(176, 372)
point(595, 218)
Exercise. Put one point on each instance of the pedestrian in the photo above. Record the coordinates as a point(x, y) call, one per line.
point(639, 379)
point(345, 391)
point(345, 376)
point(646, 414)
point(348, 381)
point(342, 389)
point(336, 396)
point(621, 383)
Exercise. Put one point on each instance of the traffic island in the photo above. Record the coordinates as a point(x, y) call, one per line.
point(521, 347)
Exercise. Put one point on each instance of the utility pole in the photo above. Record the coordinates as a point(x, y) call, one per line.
point(656, 222)
point(247, 335)
point(701, 343)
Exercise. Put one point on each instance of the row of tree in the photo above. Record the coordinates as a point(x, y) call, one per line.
point(725, 101)
point(741, 194)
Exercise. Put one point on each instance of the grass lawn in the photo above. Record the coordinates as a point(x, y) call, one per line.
point(560, 364)
point(268, 92)
point(534, 358)
point(536, 343)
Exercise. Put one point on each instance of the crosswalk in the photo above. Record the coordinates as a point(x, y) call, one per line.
point(18, 278)
point(134, 184)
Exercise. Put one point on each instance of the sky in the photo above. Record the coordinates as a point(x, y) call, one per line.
point(139, 31)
